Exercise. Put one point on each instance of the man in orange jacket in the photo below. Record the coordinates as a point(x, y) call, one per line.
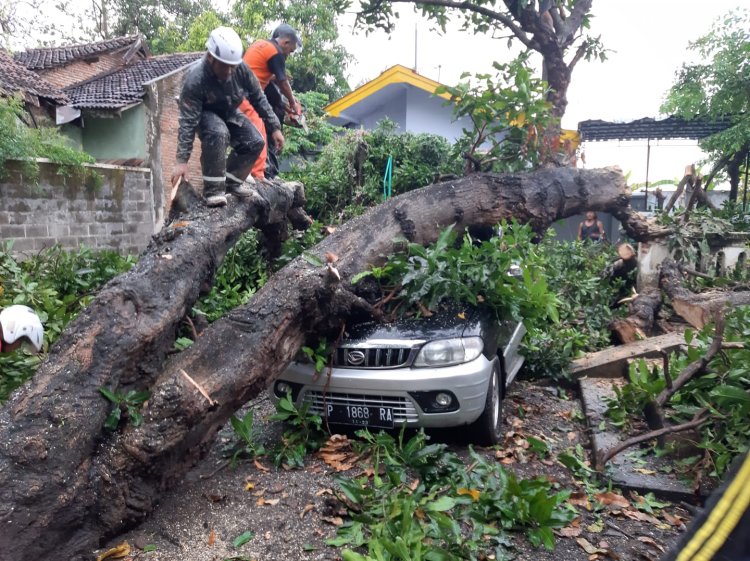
point(267, 60)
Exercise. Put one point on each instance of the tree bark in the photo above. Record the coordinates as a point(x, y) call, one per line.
point(639, 324)
point(697, 309)
point(66, 483)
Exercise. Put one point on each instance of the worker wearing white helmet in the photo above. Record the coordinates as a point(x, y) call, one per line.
point(213, 90)
point(18, 325)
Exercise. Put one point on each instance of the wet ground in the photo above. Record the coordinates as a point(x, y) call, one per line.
point(289, 513)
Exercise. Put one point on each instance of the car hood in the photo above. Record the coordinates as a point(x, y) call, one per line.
point(450, 320)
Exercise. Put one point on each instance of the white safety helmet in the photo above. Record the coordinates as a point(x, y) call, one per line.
point(21, 321)
point(225, 45)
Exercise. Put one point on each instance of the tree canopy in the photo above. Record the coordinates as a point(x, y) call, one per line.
point(716, 89)
point(552, 28)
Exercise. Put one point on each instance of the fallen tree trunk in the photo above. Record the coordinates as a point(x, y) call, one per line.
point(639, 324)
point(697, 309)
point(66, 483)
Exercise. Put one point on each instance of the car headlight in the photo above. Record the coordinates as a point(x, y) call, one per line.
point(446, 352)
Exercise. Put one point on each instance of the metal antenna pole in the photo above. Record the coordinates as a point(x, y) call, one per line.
point(648, 162)
point(744, 191)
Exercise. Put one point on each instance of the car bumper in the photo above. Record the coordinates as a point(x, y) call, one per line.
point(403, 391)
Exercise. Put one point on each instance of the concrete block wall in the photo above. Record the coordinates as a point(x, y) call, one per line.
point(119, 214)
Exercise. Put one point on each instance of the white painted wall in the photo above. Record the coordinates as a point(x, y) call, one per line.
point(426, 113)
point(394, 109)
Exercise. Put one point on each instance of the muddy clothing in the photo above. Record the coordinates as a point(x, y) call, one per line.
point(208, 107)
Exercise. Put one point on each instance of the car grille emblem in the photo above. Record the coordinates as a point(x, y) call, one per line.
point(355, 358)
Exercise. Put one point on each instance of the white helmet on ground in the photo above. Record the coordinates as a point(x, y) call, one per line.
point(21, 321)
point(225, 45)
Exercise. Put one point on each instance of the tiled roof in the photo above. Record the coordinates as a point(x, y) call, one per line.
point(125, 86)
point(53, 57)
point(648, 128)
point(14, 78)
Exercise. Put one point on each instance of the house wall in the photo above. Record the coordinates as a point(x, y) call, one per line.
point(395, 110)
point(79, 70)
point(426, 113)
point(162, 114)
point(116, 136)
point(119, 214)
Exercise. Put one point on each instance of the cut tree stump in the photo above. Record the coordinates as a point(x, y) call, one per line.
point(66, 483)
point(613, 361)
point(697, 309)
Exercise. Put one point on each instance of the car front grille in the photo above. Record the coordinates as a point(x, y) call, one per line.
point(360, 357)
point(403, 409)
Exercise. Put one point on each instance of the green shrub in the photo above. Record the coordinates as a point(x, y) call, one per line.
point(20, 142)
point(346, 178)
point(57, 284)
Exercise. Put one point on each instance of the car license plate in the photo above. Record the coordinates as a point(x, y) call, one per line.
point(360, 415)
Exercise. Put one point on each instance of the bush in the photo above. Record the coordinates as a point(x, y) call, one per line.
point(57, 284)
point(347, 176)
point(19, 142)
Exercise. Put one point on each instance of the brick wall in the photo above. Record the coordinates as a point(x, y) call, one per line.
point(161, 134)
point(80, 70)
point(120, 214)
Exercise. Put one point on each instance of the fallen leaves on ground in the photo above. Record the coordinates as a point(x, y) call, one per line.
point(267, 502)
point(612, 499)
point(337, 453)
point(580, 499)
point(260, 466)
point(117, 552)
point(211, 538)
point(652, 542)
point(308, 508)
point(334, 520)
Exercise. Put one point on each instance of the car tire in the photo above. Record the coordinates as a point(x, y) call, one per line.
point(487, 429)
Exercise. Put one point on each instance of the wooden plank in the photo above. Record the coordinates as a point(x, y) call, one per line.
point(612, 362)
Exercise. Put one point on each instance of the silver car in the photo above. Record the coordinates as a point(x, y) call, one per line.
point(451, 369)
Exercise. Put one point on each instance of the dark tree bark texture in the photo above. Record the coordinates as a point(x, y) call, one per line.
point(66, 482)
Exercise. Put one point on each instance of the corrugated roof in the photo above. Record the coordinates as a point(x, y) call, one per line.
point(14, 78)
point(648, 128)
point(53, 57)
point(124, 87)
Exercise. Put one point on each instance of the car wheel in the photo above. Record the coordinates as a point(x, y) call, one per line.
point(487, 430)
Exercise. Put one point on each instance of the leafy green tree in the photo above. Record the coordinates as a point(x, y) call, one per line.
point(552, 28)
point(508, 112)
point(321, 64)
point(717, 89)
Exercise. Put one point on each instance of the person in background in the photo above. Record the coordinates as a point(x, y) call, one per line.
point(267, 59)
point(591, 228)
point(18, 325)
point(211, 94)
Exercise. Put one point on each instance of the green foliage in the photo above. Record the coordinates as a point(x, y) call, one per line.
point(21, 142)
point(242, 273)
point(690, 240)
point(347, 175)
point(716, 87)
point(130, 402)
point(474, 273)
point(243, 538)
point(300, 145)
point(723, 390)
point(318, 356)
point(509, 114)
point(449, 512)
point(57, 284)
point(246, 430)
point(644, 385)
point(586, 305)
point(303, 434)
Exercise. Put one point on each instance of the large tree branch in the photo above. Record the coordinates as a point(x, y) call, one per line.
point(491, 14)
point(580, 52)
point(580, 9)
point(607, 455)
